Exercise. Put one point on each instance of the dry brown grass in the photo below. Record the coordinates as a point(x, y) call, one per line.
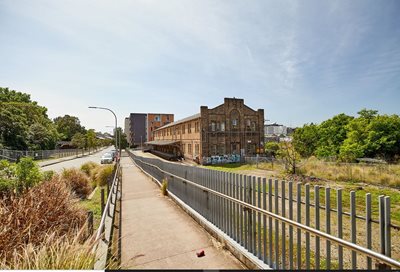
point(103, 175)
point(77, 181)
point(50, 207)
point(385, 174)
point(55, 252)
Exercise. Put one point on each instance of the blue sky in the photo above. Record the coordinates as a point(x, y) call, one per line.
point(301, 61)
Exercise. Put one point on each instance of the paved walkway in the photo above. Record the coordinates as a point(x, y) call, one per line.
point(157, 234)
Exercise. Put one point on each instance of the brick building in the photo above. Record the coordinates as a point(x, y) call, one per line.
point(231, 128)
point(139, 127)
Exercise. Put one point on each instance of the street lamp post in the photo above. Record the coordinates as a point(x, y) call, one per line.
point(116, 124)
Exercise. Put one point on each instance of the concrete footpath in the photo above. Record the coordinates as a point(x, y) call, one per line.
point(157, 234)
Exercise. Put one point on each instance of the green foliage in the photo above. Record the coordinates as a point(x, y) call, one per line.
point(289, 155)
point(68, 126)
point(28, 174)
point(271, 148)
point(124, 141)
point(7, 176)
point(91, 138)
point(347, 138)
point(305, 139)
point(23, 123)
point(79, 140)
point(48, 175)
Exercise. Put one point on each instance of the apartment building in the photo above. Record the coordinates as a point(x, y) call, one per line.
point(139, 127)
point(231, 128)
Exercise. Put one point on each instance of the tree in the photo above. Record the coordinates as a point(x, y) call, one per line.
point(21, 119)
point(332, 134)
point(123, 141)
point(91, 139)
point(271, 148)
point(79, 140)
point(305, 139)
point(289, 155)
point(68, 126)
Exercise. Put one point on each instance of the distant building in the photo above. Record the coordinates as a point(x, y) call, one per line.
point(275, 130)
point(139, 127)
point(231, 128)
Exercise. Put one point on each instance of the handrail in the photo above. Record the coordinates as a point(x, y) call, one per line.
point(349, 245)
point(107, 206)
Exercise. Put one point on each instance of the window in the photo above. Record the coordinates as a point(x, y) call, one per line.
point(214, 150)
point(157, 118)
point(248, 124)
point(222, 126)
point(196, 127)
point(189, 128)
point(253, 126)
point(235, 119)
point(183, 128)
point(184, 148)
point(221, 150)
point(196, 149)
point(212, 126)
point(234, 122)
point(190, 151)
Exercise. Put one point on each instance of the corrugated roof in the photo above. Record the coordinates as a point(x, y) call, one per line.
point(195, 116)
point(162, 142)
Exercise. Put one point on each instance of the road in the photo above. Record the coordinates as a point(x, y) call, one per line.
point(58, 167)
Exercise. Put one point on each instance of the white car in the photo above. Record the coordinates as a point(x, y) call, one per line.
point(106, 158)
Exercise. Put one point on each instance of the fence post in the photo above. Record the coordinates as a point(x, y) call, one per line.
point(90, 223)
point(102, 201)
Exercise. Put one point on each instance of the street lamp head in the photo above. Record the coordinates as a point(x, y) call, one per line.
point(92, 107)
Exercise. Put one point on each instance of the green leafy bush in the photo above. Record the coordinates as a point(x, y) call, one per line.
point(28, 174)
point(48, 175)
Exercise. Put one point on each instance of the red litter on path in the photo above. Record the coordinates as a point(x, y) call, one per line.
point(201, 254)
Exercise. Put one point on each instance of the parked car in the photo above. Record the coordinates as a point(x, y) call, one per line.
point(106, 158)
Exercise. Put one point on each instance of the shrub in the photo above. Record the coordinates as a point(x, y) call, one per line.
point(55, 253)
point(77, 181)
point(28, 174)
point(104, 174)
point(48, 175)
point(88, 167)
point(47, 208)
point(164, 187)
point(8, 177)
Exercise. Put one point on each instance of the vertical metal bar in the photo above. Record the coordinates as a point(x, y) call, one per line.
point(231, 214)
point(254, 213)
point(283, 213)
point(290, 184)
point(225, 225)
point(353, 227)
point(245, 217)
point(340, 226)
point(270, 222)
point(250, 215)
point(317, 242)
point(237, 184)
point(368, 227)
point(307, 224)
point(299, 221)
point(264, 183)
point(234, 215)
point(388, 243)
point(328, 225)
point(259, 216)
point(276, 224)
point(242, 181)
point(382, 223)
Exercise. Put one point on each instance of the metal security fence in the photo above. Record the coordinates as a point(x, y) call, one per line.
point(286, 225)
point(14, 155)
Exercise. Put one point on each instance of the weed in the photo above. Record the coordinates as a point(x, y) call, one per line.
point(164, 187)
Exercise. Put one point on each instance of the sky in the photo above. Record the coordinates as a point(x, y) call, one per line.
point(301, 61)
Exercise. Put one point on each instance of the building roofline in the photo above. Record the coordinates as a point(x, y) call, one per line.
point(189, 118)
